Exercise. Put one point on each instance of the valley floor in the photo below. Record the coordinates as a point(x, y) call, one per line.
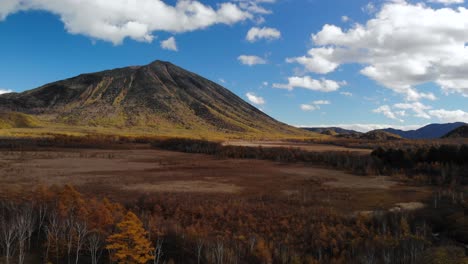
point(124, 175)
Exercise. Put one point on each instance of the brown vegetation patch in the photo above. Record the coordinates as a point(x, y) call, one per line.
point(304, 146)
point(126, 174)
point(185, 186)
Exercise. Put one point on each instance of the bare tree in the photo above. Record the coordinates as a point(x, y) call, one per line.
point(41, 217)
point(81, 230)
point(53, 232)
point(157, 252)
point(7, 236)
point(24, 226)
point(69, 230)
point(94, 247)
point(219, 252)
point(200, 244)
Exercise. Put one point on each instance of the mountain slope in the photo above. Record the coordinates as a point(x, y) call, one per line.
point(160, 96)
point(427, 132)
point(460, 132)
point(380, 135)
point(338, 130)
point(17, 120)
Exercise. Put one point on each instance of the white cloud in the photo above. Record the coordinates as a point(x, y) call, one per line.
point(369, 8)
point(404, 45)
point(447, 2)
point(255, 99)
point(137, 19)
point(308, 107)
point(256, 33)
point(418, 108)
point(387, 111)
point(346, 93)
point(4, 91)
point(315, 105)
point(307, 82)
point(321, 102)
point(450, 116)
point(422, 111)
point(254, 7)
point(169, 44)
point(345, 19)
point(251, 60)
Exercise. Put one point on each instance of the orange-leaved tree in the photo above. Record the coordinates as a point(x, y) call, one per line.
point(130, 244)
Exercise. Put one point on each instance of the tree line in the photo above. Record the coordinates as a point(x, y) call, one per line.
point(440, 165)
point(343, 160)
point(60, 225)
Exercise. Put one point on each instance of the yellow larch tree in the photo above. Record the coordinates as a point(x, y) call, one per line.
point(130, 244)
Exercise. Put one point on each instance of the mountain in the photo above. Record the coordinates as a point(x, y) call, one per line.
point(334, 130)
point(427, 132)
point(380, 135)
point(460, 132)
point(159, 98)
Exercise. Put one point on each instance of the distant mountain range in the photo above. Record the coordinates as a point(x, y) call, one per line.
point(159, 99)
point(427, 132)
point(431, 131)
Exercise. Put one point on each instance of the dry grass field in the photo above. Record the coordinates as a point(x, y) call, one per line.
point(124, 175)
point(304, 146)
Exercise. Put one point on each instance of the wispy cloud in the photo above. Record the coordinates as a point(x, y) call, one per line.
point(251, 60)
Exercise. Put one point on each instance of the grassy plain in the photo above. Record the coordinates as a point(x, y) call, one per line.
point(126, 174)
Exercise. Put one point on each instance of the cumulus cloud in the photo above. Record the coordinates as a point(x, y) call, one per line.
point(386, 111)
point(255, 99)
point(418, 108)
point(404, 45)
point(169, 44)
point(447, 2)
point(4, 91)
point(307, 82)
point(119, 19)
point(251, 60)
point(450, 116)
point(308, 107)
point(256, 33)
point(422, 111)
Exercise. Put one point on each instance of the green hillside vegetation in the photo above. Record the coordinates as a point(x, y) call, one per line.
point(17, 120)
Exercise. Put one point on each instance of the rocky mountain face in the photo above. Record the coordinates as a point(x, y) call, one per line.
point(160, 95)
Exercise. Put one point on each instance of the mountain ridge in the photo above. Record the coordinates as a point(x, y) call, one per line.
point(430, 131)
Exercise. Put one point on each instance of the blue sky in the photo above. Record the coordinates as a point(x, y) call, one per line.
point(358, 64)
